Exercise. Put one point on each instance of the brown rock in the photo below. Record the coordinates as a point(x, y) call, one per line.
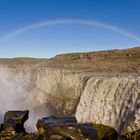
point(68, 128)
point(14, 120)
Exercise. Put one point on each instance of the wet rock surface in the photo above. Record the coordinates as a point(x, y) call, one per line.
point(49, 128)
point(68, 128)
point(58, 128)
point(14, 121)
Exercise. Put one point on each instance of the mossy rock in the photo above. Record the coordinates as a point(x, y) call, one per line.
point(39, 135)
point(7, 135)
point(135, 135)
point(32, 136)
point(105, 132)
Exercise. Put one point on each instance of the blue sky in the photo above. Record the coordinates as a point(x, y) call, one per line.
point(47, 41)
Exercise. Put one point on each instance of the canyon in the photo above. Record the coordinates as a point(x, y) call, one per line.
point(96, 87)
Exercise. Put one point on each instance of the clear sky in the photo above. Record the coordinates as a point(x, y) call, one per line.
point(19, 39)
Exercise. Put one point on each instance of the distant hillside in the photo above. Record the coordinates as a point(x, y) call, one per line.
point(116, 61)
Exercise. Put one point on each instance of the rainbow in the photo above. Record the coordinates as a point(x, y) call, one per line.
point(69, 21)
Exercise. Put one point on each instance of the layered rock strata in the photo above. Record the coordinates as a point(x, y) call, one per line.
point(103, 85)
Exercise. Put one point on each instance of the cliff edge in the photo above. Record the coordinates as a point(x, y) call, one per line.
point(101, 87)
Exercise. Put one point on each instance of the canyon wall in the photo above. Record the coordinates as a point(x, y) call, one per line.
point(101, 87)
point(44, 91)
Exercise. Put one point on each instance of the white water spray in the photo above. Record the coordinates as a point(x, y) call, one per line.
point(17, 93)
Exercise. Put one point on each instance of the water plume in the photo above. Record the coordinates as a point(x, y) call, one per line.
point(16, 94)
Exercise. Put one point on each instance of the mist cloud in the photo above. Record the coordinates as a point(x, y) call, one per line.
point(17, 93)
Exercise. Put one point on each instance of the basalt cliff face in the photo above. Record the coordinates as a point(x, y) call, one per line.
point(99, 87)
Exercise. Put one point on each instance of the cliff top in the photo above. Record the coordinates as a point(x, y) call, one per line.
point(120, 61)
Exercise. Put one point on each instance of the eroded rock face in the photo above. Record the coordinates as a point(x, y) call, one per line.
point(67, 128)
point(113, 101)
point(44, 91)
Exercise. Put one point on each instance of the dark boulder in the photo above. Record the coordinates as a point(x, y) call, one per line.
point(14, 121)
point(59, 120)
point(67, 127)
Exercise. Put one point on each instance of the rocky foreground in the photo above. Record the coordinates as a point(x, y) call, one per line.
point(57, 128)
point(96, 87)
